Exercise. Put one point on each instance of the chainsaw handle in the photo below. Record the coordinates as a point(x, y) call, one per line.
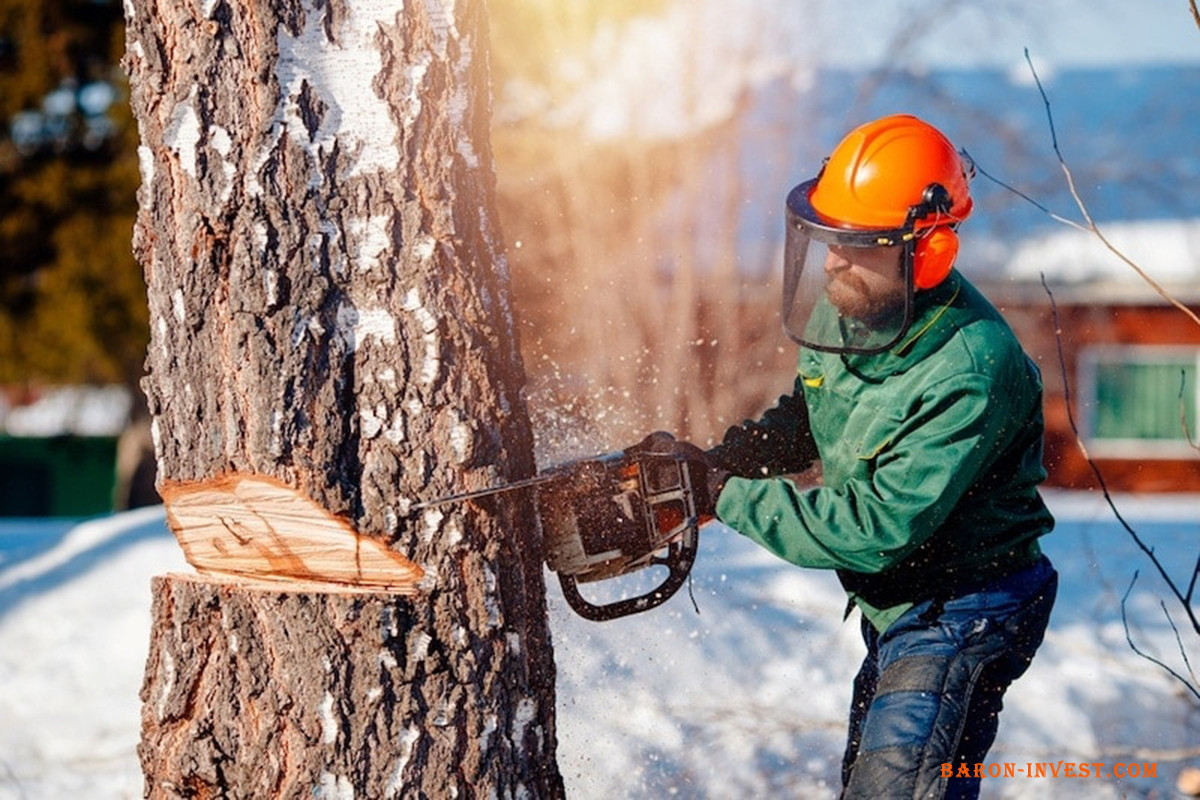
point(681, 554)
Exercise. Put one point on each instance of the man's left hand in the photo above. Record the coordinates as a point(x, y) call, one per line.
point(661, 443)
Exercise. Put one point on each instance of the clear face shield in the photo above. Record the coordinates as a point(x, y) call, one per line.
point(844, 291)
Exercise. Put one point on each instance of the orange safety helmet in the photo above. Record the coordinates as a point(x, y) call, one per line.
point(899, 173)
point(894, 182)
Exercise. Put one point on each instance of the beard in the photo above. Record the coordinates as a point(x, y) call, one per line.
point(867, 299)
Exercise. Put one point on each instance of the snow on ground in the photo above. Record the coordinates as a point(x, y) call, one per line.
point(744, 698)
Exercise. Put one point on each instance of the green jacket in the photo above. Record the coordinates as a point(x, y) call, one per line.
point(930, 455)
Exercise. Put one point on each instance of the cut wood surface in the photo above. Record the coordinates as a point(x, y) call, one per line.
point(250, 528)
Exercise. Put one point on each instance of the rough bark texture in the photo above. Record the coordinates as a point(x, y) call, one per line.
point(328, 304)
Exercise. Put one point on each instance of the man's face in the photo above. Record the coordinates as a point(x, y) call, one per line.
point(865, 282)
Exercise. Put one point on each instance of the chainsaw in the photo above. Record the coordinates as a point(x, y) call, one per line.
point(611, 515)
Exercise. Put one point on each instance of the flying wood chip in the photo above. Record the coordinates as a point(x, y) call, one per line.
point(250, 528)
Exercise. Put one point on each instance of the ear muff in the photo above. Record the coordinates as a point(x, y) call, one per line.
point(933, 257)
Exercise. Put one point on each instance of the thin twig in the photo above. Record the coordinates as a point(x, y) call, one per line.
point(1187, 662)
point(1091, 224)
point(1184, 599)
point(1129, 638)
point(1149, 551)
point(1056, 217)
point(1195, 13)
point(1192, 584)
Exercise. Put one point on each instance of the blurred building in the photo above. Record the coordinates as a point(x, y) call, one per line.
point(1119, 348)
point(72, 451)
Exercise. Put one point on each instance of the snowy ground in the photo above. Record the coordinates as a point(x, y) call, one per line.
point(744, 699)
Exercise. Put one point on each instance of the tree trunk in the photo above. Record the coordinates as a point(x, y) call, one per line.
point(331, 342)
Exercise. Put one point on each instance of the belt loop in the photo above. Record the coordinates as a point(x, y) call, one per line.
point(931, 615)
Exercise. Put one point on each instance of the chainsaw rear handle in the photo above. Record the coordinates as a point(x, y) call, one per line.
point(665, 510)
point(680, 556)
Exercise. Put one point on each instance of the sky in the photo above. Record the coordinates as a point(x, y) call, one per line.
point(687, 65)
point(971, 33)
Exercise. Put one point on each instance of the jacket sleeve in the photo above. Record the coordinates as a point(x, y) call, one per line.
point(778, 443)
point(897, 497)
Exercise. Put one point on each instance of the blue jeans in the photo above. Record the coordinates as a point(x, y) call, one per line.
point(931, 687)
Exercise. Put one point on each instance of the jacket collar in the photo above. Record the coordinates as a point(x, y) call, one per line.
point(934, 322)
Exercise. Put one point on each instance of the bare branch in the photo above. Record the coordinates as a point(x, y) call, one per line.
point(1091, 224)
point(1195, 12)
point(1184, 600)
point(1192, 584)
point(1147, 656)
point(1056, 217)
point(1187, 662)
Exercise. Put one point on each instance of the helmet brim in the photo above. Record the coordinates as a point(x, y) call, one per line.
point(800, 211)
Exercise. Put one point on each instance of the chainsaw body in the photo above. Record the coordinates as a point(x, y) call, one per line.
point(616, 514)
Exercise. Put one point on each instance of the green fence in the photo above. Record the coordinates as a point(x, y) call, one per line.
point(60, 476)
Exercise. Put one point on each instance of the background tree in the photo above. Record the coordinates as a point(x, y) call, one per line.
point(331, 340)
point(72, 302)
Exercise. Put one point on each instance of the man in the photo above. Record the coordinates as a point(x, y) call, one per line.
point(926, 417)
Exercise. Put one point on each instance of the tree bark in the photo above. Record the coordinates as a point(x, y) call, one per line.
point(329, 317)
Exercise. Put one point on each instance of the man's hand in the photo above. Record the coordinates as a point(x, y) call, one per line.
point(708, 487)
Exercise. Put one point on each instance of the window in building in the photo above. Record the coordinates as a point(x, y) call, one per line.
point(1140, 401)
